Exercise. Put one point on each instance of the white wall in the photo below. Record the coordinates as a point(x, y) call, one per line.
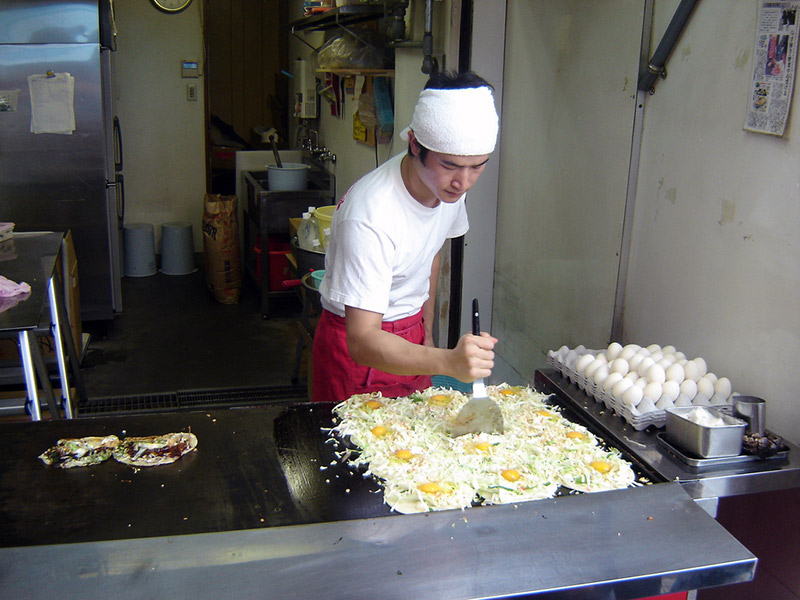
point(163, 133)
point(715, 258)
point(568, 104)
point(714, 261)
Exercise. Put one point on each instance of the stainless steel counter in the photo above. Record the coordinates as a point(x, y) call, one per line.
point(700, 482)
point(624, 544)
point(252, 514)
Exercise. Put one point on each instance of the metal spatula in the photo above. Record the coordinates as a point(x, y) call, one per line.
point(481, 413)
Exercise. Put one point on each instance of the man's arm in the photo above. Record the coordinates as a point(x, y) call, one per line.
point(370, 345)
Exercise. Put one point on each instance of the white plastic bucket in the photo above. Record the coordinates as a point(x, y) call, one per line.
point(139, 247)
point(290, 177)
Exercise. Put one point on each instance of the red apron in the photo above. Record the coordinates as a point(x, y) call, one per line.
point(336, 376)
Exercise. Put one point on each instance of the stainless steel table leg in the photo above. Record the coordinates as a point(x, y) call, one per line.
point(55, 328)
point(44, 378)
point(30, 375)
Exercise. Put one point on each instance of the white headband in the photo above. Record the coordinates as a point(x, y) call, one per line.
point(462, 121)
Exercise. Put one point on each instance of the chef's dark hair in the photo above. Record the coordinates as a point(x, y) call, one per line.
point(450, 80)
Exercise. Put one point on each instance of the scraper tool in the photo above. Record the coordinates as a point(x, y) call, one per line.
point(481, 413)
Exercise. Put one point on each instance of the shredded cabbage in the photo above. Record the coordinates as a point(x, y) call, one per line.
point(406, 444)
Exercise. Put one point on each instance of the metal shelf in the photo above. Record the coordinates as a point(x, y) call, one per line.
point(339, 17)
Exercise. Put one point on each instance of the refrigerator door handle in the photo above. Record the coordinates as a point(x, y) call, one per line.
point(120, 189)
point(117, 145)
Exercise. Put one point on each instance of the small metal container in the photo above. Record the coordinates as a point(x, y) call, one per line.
point(702, 440)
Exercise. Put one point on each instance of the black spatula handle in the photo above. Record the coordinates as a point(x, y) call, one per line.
point(476, 318)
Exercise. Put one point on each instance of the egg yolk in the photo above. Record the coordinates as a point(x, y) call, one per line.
point(483, 446)
point(430, 487)
point(379, 430)
point(373, 404)
point(404, 454)
point(439, 400)
point(511, 391)
point(510, 474)
point(575, 435)
point(545, 413)
point(600, 466)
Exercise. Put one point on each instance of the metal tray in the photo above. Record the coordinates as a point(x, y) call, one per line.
point(693, 461)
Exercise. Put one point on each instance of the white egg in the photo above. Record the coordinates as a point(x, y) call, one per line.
point(705, 387)
point(646, 363)
point(656, 374)
point(635, 360)
point(646, 405)
point(664, 402)
point(683, 400)
point(653, 391)
point(611, 380)
point(643, 351)
point(670, 389)
point(668, 349)
point(601, 374)
point(675, 373)
point(680, 356)
point(580, 349)
point(634, 347)
point(692, 371)
point(701, 400)
point(670, 358)
point(632, 396)
point(665, 363)
point(701, 364)
point(632, 376)
point(682, 362)
point(627, 353)
point(593, 366)
point(653, 348)
point(723, 387)
point(689, 388)
point(657, 356)
point(583, 362)
point(621, 387)
point(619, 365)
point(640, 382)
point(711, 377)
point(613, 350)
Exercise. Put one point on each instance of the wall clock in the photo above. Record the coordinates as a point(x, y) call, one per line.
point(171, 6)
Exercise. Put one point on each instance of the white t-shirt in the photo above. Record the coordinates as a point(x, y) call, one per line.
point(382, 245)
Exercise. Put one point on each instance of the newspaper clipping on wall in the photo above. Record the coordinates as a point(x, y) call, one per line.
point(774, 64)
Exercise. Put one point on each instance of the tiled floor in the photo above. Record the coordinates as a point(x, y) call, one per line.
point(172, 335)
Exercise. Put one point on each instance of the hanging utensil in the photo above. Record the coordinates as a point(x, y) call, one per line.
point(275, 151)
point(481, 413)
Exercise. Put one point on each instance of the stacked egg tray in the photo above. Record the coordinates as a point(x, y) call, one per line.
point(583, 367)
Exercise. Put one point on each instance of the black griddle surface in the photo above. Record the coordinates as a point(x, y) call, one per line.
point(254, 467)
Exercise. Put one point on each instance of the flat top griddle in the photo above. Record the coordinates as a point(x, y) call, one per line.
point(253, 468)
point(256, 467)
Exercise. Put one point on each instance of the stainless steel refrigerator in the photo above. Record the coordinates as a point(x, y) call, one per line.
point(60, 141)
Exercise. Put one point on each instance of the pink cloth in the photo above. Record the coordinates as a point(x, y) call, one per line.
point(9, 288)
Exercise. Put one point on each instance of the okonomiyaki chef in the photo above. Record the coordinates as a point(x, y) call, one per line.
point(383, 256)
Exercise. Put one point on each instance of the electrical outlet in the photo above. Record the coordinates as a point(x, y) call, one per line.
point(191, 92)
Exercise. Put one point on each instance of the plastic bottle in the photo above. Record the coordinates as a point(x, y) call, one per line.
point(307, 234)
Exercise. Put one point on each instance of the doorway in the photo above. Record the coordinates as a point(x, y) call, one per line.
point(246, 48)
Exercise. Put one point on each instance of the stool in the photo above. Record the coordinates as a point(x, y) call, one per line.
point(139, 246)
point(177, 248)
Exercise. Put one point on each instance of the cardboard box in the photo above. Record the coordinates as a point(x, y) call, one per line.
point(72, 296)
